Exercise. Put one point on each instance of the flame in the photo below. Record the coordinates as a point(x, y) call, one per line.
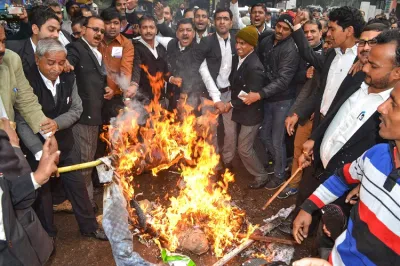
point(162, 142)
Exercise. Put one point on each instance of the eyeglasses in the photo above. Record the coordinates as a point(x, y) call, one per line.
point(371, 42)
point(95, 29)
point(76, 33)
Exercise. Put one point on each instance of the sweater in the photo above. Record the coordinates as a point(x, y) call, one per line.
point(373, 233)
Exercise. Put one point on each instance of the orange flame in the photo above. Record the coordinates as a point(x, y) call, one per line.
point(164, 141)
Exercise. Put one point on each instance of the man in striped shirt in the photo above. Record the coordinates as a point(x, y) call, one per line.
point(373, 233)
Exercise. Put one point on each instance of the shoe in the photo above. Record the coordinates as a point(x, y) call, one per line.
point(287, 192)
point(269, 168)
point(66, 206)
point(229, 166)
point(274, 183)
point(258, 184)
point(98, 234)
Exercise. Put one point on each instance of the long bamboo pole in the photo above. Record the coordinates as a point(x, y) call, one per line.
point(281, 188)
point(79, 166)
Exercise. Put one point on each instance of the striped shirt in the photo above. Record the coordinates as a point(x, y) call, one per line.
point(373, 233)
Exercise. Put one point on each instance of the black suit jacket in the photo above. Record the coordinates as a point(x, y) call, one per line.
point(210, 50)
point(249, 77)
point(364, 138)
point(25, 50)
point(30, 244)
point(90, 79)
point(178, 15)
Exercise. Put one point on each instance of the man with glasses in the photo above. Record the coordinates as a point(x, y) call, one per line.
point(76, 26)
point(90, 72)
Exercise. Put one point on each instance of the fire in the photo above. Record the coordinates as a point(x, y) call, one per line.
point(164, 141)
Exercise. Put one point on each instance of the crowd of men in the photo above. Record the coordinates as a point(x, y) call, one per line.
point(330, 81)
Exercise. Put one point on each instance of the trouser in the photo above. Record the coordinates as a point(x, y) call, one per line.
point(76, 192)
point(85, 147)
point(302, 135)
point(230, 128)
point(247, 153)
point(272, 133)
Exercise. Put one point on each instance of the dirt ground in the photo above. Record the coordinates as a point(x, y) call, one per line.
point(73, 249)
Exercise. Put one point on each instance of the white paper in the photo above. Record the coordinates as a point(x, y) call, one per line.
point(241, 94)
point(116, 52)
point(2, 109)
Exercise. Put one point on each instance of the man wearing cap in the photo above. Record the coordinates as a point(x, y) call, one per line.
point(280, 58)
point(247, 75)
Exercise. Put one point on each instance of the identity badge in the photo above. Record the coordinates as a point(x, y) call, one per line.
point(116, 52)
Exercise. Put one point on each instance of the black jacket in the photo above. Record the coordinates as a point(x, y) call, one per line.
point(210, 50)
point(90, 79)
point(249, 77)
point(145, 59)
point(281, 62)
point(28, 243)
point(25, 50)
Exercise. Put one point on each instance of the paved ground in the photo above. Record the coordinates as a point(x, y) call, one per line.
point(73, 249)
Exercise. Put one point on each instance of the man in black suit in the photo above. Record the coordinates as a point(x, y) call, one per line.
point(58, 95)
point(150, 59)
point(247, 75)
point(90, 73)
point(215, 55)
point(22, 239)
point(180, 12)
point(45, 24)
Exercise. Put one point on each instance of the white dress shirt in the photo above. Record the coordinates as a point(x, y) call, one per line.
point(49, 84)
point(224, 71)
point(152, 50)
point(53, 89)
point(353, 113)
point(2, 231)
point(96, 52)
point(62, 38)
point(338, 71)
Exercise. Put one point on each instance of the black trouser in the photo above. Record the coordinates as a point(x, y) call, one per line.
point(76, 192)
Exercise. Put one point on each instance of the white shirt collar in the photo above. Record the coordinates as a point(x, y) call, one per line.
point(241, 60)
point(383, 94)
point(49, 83)
point(33, 45)
point(152, 50)
point(348, 50)
point(129, 11)
point(220, 38)
point(62, 38)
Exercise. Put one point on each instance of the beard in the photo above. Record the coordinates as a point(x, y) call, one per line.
point(380, 83)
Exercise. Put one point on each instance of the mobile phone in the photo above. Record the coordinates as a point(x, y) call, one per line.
point(15, 10)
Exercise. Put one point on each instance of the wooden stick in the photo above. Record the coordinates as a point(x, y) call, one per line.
point(281, 188)
point(79, 166)
point(233, 253)
point(269, 239)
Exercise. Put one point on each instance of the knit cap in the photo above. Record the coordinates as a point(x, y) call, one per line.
point(287, 18)
point(248, 34)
